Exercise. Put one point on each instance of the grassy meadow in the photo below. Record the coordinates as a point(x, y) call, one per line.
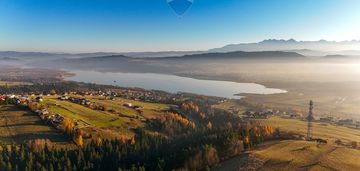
point(302, 155)
point(294, 155)
point(106, 124)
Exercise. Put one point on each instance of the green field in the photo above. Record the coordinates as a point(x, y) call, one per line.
point(84, 115)
point(19, 125)
point(106, 124)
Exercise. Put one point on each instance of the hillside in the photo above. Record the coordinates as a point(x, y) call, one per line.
point(294, 155)
point(299, 154)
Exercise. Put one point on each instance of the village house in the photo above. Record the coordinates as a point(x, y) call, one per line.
point(327, 119)
point(357, 125)
point(138, 108)
point(127, 105)
point(257, 114)
point(2, 97)
point(39, 99)
point(294, 115)
point(64, 97)
point(345, 122)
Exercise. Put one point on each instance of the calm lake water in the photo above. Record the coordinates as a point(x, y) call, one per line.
point(172, 83)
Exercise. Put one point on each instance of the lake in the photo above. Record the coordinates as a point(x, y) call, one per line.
point(172, 83)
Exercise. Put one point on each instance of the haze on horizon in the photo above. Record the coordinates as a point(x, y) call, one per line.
point(142, 25)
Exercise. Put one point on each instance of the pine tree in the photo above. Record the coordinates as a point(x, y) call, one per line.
point(9, 166)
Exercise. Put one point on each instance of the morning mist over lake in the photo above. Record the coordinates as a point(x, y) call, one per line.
point(179, 85)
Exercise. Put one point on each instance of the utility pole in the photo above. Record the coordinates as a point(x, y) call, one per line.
point(310, 119)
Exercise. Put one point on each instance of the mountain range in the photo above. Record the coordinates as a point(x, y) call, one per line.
point(305, 48)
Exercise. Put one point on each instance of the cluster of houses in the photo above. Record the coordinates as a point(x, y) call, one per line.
point(107, 94)
point(84, 102)
point(250, 114)
point(15, 98)
point(145, 95)
point(341, 122)
point(54, 119)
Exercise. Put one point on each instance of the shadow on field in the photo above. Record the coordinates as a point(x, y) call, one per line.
point(19, 125)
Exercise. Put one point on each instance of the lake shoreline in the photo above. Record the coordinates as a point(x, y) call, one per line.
point(172, 83)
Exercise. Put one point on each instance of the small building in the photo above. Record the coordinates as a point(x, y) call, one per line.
point(39, 99)
point(2, 98)
point(346, 122)
point(294, 115)
point(138, 108)
point(64, 97)
point(127, 104)
point(327, 119)
point(357, 125)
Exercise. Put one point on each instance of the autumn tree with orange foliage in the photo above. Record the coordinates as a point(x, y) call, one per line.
point(78, 139)
point(172, 123)
point(35, 106)
point(39, 144)
point(209, 125)
point(133, 141)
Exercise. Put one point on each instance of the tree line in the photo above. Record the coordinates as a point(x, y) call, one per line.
point(200, 150)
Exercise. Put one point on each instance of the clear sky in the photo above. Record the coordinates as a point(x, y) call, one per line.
point(151, 25)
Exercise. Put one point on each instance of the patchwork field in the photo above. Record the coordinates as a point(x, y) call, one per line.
point(149, 110)
point(83, 115)
point(18, 125)
point(116, 120)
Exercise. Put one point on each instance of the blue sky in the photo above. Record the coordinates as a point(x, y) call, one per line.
point(151, 25)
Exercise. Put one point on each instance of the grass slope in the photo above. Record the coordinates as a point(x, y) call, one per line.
point(84, 114)
point(294, 155)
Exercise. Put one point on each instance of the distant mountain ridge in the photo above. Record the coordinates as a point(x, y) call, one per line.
point(306, 48)
point(162, 64)
point(318, 48)
point(239, 55)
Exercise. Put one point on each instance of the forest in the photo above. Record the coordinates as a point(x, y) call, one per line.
point(200, 150)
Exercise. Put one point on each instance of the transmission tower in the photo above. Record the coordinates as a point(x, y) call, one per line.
point(310, 119)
